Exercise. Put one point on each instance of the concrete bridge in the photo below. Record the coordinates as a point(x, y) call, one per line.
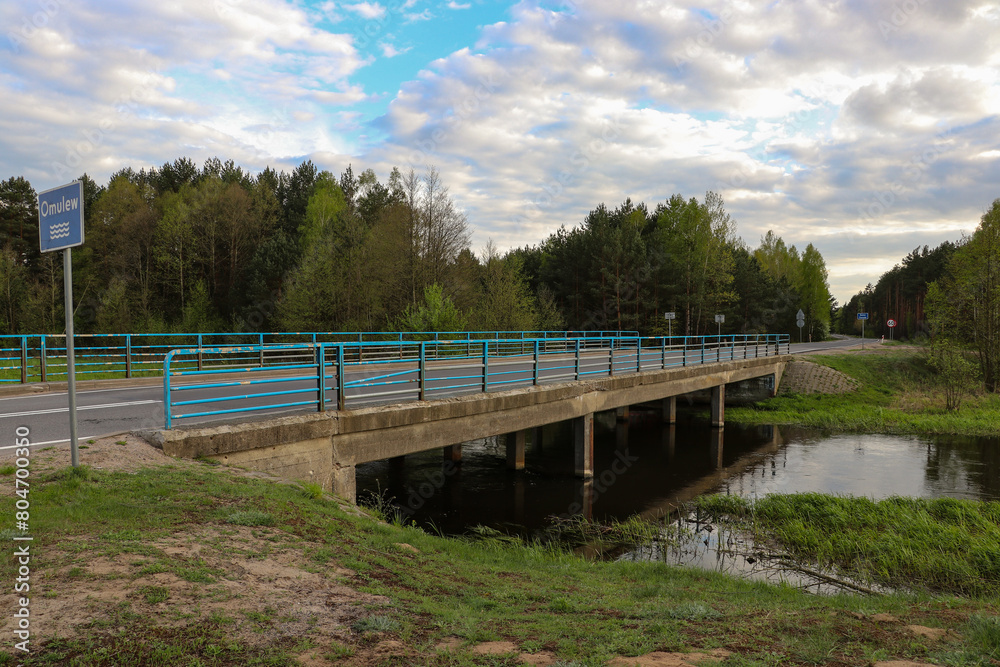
point(325, 447)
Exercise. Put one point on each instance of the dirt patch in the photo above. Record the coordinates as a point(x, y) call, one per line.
point(931, 634)
point(213, 572)
point(661, 659)
point(126, 453)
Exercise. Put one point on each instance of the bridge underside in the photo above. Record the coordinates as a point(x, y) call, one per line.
point(325, 447)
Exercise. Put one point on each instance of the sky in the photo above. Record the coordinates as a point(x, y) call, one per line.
point(865, 127)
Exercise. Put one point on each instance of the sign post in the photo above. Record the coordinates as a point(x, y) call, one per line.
point(863, 317)
point(800, 321)
point(60, 227)
point(892, 326)
point(670, 317)
point(719, 319)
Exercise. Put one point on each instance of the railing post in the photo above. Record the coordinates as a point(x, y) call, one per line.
point(341, 398)
point(128, 355)
point(260, 341)
point(199, 353)
point(166, 390)
point(718, 349)
point(534, 380)
point(42, 354)
point(638, 355)
point(663, 353)
point(486, 366)
point(321, 376)
point(423, 370)
point(577, 374)
point(611, 358)
point(24, 359)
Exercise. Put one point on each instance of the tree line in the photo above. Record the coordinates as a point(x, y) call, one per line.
point(216, 248)
point(949, 294)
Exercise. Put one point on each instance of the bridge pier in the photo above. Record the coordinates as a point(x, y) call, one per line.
point(670, 410)
point(719, 405)
point(515, 449)
point(583, 436)
point(622, 413)
point(453, 453)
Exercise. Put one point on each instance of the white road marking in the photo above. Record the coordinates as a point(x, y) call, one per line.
point(79, 408)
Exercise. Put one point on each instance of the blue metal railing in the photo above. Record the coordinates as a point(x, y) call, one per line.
point(42, 357)
point(322, 374)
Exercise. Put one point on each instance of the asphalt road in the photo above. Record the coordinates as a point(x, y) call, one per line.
point(103, 412)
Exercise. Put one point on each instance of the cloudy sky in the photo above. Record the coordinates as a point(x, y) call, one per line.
point(865, 127)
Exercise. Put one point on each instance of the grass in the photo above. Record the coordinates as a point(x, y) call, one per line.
point(943, 545)
point(540, 597)
point(900, 393)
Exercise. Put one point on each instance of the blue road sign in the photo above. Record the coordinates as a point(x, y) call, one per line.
point(60, 217)
point(862, 316)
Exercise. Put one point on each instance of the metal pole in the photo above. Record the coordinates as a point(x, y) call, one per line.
point(535, 378)
point(486, 366)
point(70, 361)
point(321, 376)
point(423, 369)
point(128, 355)
point(166, 389)
point(24, 359)
point(341, 388)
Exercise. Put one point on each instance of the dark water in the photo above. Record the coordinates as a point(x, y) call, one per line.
point(645, 468)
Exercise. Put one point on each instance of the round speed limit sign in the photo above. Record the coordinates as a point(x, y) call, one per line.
point(891, 323)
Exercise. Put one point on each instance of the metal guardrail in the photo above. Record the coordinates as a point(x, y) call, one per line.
point(42, 357)
point(321, 375)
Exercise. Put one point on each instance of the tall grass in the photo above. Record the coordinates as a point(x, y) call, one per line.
point(944, 544)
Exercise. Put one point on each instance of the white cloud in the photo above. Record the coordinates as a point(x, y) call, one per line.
point(810, 116)
point(149, 83)
point(390, 50)
point(366, 10)
point(803, 115)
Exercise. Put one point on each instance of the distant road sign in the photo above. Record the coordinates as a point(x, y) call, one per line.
point(891, 323)
point(862, 316)
point(800, 315)
point(800, 323)
point(60, 217)
point(721, 319)
point(670, 316)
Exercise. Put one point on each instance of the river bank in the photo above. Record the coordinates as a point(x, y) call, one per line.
point(144, 560)
point(897, 392)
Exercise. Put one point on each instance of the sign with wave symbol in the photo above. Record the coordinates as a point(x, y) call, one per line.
point(59, 231)
point(60, 217)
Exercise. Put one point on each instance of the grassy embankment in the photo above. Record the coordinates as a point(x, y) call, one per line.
point(899, 393)
point(194, 564)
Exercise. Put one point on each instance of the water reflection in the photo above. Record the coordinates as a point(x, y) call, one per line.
point(645, 467)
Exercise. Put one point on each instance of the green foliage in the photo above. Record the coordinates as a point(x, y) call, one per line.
point(436, 313)
point(964, 304)
point(957, 374)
